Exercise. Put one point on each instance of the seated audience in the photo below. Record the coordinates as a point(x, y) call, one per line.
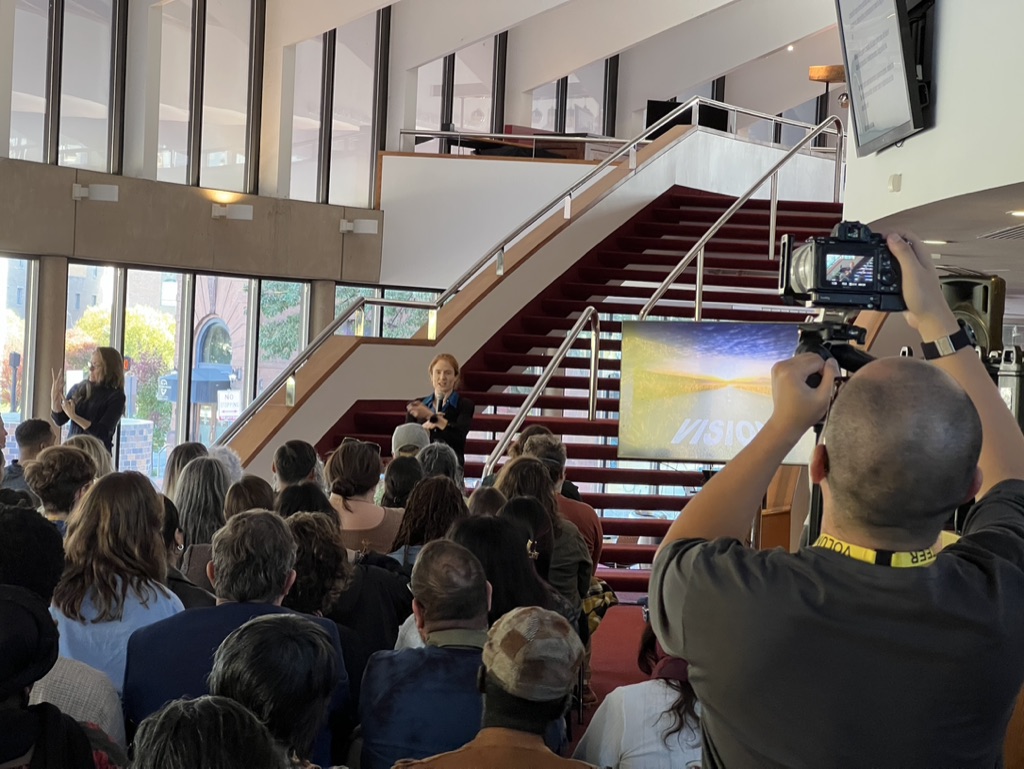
point(486, 500)
point(252, 570)
point(353, 472)
point(199, 497)
point(654, 724)
point(304, 497)
point(294, 462)
point(24, 499)
point(434, 505)
point(191, 596)
point(408, 439)
point(59, 477)
point(213, 732)
point(502, 546)
point(228, 457)
point(39, 735)
point(180, 456)
point(32, 436)
point(515, 449)
point(94, 447)
point(112, 584)
point(551, 451)
point(571, 568)
point(530, 665)
point(440, 459)
point(418, 702)
point(250, 493)
point(400, 478)
point(32, 557)
point(283, 669)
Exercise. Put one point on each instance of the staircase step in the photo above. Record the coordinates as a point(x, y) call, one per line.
point(684, 225)
point(822, 222)
point(527, 342)
point(654, 276)
point(635, 501)
point(546, 402)
point(504, 361)
point(543, 324)
point(681, 199)
point(680, 293)
point(745, 264)
point(485, 380)
point(752, 315)
point(618, 475)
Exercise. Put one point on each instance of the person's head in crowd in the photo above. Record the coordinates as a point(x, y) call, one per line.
point(250, 493)
point(253, 559)
point(502, 547)
point(551, 451)
point(95, 449)
point(283, 668)
point(32, 436)
point(180, 456)
point(907, 501)
point(434, 505)
point(515, 449)
point(449, 588)
point(304, 497)
point(199, 495)
point(322, 567)
point(400, 478)
point(31, 552)
point(439, 459)
point(353, 471)
point(294, 462)
point(536, 521)
point(655, 663)
point(206, 732)
point(486, 500)
point(174, 538)
point(228, 457)
point(59, 476)
point(15, 498)
point(114, 546)
point(529, 477)
point(444, 374)
point(408, 439)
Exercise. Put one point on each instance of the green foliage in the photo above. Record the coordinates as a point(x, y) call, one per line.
point(280, 320)
point(403, 322)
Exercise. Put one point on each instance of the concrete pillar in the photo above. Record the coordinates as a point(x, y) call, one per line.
point(321, 306)
point(51, 321)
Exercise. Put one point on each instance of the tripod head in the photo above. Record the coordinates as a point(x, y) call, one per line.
point(831, 338)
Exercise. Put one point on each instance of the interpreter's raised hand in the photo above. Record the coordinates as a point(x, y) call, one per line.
point(69, 408)
point(57, 389)
point(927, 310)
point(798, 406)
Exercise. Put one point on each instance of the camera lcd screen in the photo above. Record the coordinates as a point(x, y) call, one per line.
point(850, 270)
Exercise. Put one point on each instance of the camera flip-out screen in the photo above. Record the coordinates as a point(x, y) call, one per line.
point(850, 270)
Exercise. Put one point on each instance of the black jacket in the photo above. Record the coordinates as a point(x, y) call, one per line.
point(459, 413)
point(104, 408)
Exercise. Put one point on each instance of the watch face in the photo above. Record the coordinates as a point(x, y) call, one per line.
point(945, 346)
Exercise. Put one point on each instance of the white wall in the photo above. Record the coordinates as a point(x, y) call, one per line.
point(977, 112)
point(443, 213)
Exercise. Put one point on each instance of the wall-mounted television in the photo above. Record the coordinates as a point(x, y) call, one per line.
point(882, 69)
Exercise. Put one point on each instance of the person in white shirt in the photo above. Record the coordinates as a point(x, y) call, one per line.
point(654, 724)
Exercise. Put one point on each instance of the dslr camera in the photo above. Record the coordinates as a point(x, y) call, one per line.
point(851, 269)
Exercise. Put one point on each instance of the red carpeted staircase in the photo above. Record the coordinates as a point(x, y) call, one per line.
point(637, 499)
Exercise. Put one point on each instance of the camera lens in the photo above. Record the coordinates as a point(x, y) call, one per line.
point(801, 269)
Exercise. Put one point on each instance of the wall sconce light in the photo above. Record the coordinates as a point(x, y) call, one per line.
point(237, 212)
point(360, 226)
point(105, 193)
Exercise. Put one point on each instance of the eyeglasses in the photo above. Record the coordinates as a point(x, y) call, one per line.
point(837, 384)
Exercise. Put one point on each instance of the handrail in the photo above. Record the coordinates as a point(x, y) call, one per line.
point(772, 174)
point(589, 315)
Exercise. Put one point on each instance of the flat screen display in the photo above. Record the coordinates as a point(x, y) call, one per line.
point(880, 72)
point(850, 270)
point(699, 392)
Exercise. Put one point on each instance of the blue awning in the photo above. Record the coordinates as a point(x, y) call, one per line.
point(207, 380)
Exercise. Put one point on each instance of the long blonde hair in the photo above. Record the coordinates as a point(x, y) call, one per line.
point(114, 545)
point(94, 447)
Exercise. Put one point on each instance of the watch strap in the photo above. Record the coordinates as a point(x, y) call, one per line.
point(946, 345)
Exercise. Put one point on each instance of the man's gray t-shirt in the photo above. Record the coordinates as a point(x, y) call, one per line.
point(817, 660)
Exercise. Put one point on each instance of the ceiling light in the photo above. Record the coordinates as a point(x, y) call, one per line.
point(936, 242)
point(1015, 213)
point(789, 48)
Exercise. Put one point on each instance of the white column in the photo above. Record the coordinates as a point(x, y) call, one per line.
point(142, 90)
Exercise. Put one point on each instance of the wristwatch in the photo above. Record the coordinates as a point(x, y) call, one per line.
point(947, 345)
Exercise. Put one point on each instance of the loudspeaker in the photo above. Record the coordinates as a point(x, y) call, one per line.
point(979, 301)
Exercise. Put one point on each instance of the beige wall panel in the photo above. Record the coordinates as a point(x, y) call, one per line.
point(362, 253)
point(309, 241)
point(37, 214)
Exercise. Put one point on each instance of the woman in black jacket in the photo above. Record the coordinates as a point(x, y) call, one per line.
point(95, 406)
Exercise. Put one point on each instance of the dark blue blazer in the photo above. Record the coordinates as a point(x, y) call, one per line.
point(172, 659)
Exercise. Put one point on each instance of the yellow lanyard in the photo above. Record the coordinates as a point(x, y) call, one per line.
point(897, 560)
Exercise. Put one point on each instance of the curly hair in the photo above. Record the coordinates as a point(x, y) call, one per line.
point(683, 711)
point(322, 567)
point(57, 475)
point(114, 545)
point(434, 505)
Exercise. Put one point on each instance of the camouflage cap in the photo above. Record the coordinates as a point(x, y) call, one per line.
point(533, 654)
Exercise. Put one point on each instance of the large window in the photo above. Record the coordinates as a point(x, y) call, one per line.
point(90, 309)
point(153, 365)
point(352, 126)
point(175, 52)
point(474, 66)
point(282, 330)
point(85, 85)
point(28, 97)
point(14, 330)
point(361, 323)
point(403, 322)
point(428, 103)
point(225, 94)
point(584, 111)
point(544, 107)
point(220, 332)
point(309, 56)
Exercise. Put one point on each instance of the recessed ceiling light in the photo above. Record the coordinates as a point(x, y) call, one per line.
point(789, 48)
point(1015, 213)
point(936, 242)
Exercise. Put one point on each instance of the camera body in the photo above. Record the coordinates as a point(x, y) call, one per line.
point(852, 268)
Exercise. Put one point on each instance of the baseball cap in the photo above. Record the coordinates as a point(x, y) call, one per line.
point(533, 654)
point(408, 436)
